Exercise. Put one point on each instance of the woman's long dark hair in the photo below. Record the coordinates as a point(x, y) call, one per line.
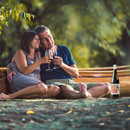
point(26, 39)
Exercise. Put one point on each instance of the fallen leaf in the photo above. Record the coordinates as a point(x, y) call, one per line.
point(29, 112)
point(69, 112)
point(121, 111)
point(128, 118)
point(107, 112)
point(120, 105)
point(77, 125)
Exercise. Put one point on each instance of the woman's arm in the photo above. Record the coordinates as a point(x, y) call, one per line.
point(21, 62)
point(39, 76)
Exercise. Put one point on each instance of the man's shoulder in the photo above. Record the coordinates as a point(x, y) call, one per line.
point(63, 47)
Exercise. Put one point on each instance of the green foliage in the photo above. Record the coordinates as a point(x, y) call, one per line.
point(8, 9)
point(96, 24)
point(92, 29)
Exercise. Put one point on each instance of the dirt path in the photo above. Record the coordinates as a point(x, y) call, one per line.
point(84, 114)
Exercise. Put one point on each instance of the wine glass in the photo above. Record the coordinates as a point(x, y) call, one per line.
point(56, 66)
point(48, 52)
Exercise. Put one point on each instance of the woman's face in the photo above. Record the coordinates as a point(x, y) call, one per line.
point(35, 42)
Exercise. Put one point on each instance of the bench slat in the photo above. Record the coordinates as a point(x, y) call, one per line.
point(105, 68)
point(104, 73)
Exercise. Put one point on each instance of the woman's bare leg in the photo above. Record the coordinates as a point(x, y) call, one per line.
point(29, 96)
point(51, 93)
point(38, 90)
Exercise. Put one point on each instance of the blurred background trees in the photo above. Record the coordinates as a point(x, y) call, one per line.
point(96, 31)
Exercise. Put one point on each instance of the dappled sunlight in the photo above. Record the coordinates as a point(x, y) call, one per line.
point(100, 29)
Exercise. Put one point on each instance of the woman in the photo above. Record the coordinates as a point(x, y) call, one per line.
point(26, 63)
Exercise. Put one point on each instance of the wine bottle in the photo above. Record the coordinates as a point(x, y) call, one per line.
point(115, 85)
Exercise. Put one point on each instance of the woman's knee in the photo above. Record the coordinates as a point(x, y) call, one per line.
point(42, 88)
point(54, 90)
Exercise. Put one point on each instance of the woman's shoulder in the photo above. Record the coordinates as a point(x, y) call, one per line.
point(18, 54)
point(20, 51)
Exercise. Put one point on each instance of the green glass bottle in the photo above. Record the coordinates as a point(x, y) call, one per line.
point(115, 84)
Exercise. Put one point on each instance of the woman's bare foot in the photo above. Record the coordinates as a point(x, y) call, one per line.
point(4, 96)
point(83, 90)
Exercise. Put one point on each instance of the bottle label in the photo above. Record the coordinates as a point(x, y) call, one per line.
point(115, 89)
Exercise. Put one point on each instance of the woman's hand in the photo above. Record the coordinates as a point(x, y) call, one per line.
point(46, 59)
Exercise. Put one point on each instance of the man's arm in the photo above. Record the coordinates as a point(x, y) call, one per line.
point(71, 70)
point(9, 68)
point(10, 73)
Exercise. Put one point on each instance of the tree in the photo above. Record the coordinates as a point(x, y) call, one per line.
point(92, 29)
point(10, 9)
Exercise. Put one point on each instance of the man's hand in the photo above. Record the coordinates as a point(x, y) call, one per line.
point(9, 76)
point(71, 70)
point(58, 61)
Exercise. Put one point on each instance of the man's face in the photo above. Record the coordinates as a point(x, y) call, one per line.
point(46, 39)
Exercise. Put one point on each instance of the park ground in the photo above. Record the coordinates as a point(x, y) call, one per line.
point(50, 114)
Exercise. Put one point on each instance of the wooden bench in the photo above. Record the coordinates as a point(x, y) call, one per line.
point(100, 74)
point(104, 74)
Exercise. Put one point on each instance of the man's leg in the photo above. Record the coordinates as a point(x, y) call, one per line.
point(67, 92)
point(99, 89)
point(96, 91)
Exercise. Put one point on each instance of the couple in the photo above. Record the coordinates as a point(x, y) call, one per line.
point(29, 78)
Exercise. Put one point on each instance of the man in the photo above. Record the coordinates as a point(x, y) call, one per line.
point(62, 76)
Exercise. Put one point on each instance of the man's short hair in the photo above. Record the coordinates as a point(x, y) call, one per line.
point(41, 28)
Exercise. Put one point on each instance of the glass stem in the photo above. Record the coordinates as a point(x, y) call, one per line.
point(48, 66)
